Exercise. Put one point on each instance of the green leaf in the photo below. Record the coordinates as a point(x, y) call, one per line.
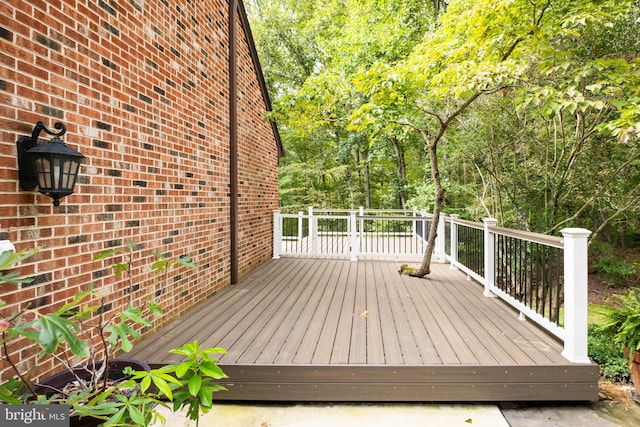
point(52, 330)
point(154, 308)
point(116, 419)
point(214, 350)
point(136, 415)
point(145, 383)
point(185, 261)
point(160, 265)
point(194, 385)
point(134, 315)
point(206, 398)
point(119, 268)
point(183, 368)
point(211, 369)
point(107, 253)
point(120, 333)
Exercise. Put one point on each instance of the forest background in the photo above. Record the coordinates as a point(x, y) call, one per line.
point(534, 106)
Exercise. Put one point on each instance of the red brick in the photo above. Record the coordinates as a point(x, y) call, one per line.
point(96, 79)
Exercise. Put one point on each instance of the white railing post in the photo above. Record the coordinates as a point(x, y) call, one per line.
point(489, 257)
point(277, 234)
point(313, 231)
point(352, 234)
point(300, 224)
point(361, 221)
point(441, 257)
point(575, 294)
point(454, 241)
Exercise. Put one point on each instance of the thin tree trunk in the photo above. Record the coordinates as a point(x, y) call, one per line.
point(425, 267)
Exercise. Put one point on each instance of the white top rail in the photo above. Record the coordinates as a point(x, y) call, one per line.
point(553, 241)
point(467, 223)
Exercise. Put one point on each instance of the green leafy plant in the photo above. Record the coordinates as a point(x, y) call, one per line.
point(189, 384)
point(82, 330)
point(8, 259)
point(618, 272)
point(608, 355)
point(621, 320)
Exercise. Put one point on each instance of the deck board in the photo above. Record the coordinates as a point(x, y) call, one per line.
point(323, 329)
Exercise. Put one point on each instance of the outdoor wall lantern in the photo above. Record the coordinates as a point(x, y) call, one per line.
point(52, 166)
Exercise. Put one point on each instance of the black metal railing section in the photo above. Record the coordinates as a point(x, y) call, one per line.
point(423, 227)
point(295, 230)
point(532, 273)
point(447, 237)
point(471, 248)
point(332, 235)
point(390, 234)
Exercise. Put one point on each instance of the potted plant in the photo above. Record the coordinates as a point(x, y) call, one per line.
point(621, 320)
point(99, 388)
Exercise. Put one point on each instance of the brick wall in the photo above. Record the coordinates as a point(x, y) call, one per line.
point(142, 87)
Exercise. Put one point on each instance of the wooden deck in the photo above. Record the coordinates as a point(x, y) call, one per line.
point(335, 330)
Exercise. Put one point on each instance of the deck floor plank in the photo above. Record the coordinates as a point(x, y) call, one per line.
point(466, 327)
point(358, 347)
point(403, 325)
point(195, 325)
point(445, 321)
point(284, 326)
point(311, 337)
point(266, 341)
point(342, 341)
point(532, 343)
point(326, 341)
point(238, 331)
point(303, 324)
point(505, 350)
point(390, 339)
point(375, 348)
point(419, 330)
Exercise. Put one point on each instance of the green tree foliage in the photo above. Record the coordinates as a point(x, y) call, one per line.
point(525, 110)
point(345, 37)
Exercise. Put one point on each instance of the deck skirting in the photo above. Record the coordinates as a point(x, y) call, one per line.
point(386, 383)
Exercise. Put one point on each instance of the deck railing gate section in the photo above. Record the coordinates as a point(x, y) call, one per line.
point(544, 277)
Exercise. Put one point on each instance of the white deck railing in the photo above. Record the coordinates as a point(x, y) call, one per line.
point(356, 234)
point(544, 277)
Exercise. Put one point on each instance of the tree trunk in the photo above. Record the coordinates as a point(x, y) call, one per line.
point(425, 267)
point(432, 146)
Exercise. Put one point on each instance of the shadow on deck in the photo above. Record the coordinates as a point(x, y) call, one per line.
point(335, 330)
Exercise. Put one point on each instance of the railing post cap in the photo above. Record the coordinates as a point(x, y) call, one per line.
point(575, 232)
point(490, 221)
point(454, 216)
